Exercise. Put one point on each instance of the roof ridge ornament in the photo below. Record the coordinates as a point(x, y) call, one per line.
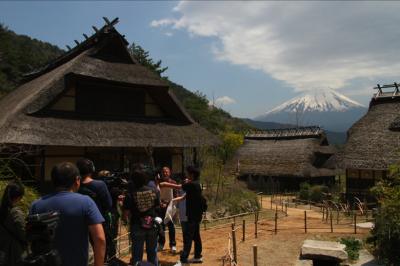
point(387, 94)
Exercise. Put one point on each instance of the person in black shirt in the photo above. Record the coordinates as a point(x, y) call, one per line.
point(194, 212)
point(141, 205)
point(97, 190)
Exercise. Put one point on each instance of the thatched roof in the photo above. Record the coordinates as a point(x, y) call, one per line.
point(374, 141)
point(285, 152)
point(103, 57)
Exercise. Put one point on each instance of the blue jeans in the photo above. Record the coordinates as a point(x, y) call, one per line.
point(139, 237)
point(191, 233)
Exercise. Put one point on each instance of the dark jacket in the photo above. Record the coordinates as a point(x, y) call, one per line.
point(12, 237)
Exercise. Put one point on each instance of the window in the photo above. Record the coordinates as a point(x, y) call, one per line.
point(102, 99)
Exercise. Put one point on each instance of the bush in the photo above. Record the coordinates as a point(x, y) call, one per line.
point(233, 199)
point(315, 193)
point(386, 232)
point(353, 247)
point(304, 192)
point(318, 193)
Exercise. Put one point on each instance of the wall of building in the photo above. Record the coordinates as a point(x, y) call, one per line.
point(113, 159)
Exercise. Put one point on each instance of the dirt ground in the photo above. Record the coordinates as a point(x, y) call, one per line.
point(281, 249)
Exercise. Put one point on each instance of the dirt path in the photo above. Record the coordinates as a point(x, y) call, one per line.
point(273, 249)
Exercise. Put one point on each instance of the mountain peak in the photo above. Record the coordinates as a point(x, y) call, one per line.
point(317, 101)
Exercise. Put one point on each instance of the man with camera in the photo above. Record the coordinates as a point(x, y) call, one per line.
point(79, 218)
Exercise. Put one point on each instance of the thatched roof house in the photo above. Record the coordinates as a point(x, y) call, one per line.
point(98, 101)
point(288, 156)
point(373, 143)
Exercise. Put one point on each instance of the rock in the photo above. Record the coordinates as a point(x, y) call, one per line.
point(367, 225)
point(323, 250)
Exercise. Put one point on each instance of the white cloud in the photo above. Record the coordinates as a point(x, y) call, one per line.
point(308, 45)
point(162, 22)
point(224, 100)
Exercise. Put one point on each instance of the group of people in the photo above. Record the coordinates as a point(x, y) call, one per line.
point(88, 212)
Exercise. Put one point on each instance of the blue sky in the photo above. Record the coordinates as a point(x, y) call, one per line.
point(249, 56)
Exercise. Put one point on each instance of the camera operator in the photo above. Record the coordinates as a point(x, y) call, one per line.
point(116, 185)
point(79, 218)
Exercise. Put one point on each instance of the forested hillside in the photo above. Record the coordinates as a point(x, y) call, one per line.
point(21, 54)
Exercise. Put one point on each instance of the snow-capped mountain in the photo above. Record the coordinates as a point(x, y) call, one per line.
point(326, 108)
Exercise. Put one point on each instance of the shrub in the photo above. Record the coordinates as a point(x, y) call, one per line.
point(353, 247)
point(318, 193)
point(304, 192)
point(386, 232)
point(315, 193)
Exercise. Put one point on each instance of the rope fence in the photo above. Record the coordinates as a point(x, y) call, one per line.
point(324, 217)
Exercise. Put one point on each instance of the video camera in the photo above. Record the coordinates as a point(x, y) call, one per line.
point(40, 233)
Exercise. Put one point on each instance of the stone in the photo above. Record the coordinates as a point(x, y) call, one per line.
point(367, 225)
point(323, 250)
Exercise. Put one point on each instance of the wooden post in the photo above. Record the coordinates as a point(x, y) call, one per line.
point(331, 222)
point(261, 199)
point(305, 222)
point(255, 255)
point(255, 224)
point(234, 243)
point(286, 208)
point(276, 222)
point(323, 213)
point(244, 230)
point(355, 223)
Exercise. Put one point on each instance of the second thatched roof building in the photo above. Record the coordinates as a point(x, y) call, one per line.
point(281, 159)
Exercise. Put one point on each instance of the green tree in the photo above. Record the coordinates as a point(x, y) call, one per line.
point(386, 233)
point(230, 143)
point(143, 58)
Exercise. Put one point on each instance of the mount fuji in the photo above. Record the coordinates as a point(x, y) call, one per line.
point(327, 108)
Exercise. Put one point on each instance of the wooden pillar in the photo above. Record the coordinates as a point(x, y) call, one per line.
point(43, 164)
point(255, 262)
point(234, 243)
point(195, 156)
point(244, 230)
point(355, 223)
point(122, 160)
point(305, 221)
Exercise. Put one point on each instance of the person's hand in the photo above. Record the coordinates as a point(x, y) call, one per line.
point(162, 184)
